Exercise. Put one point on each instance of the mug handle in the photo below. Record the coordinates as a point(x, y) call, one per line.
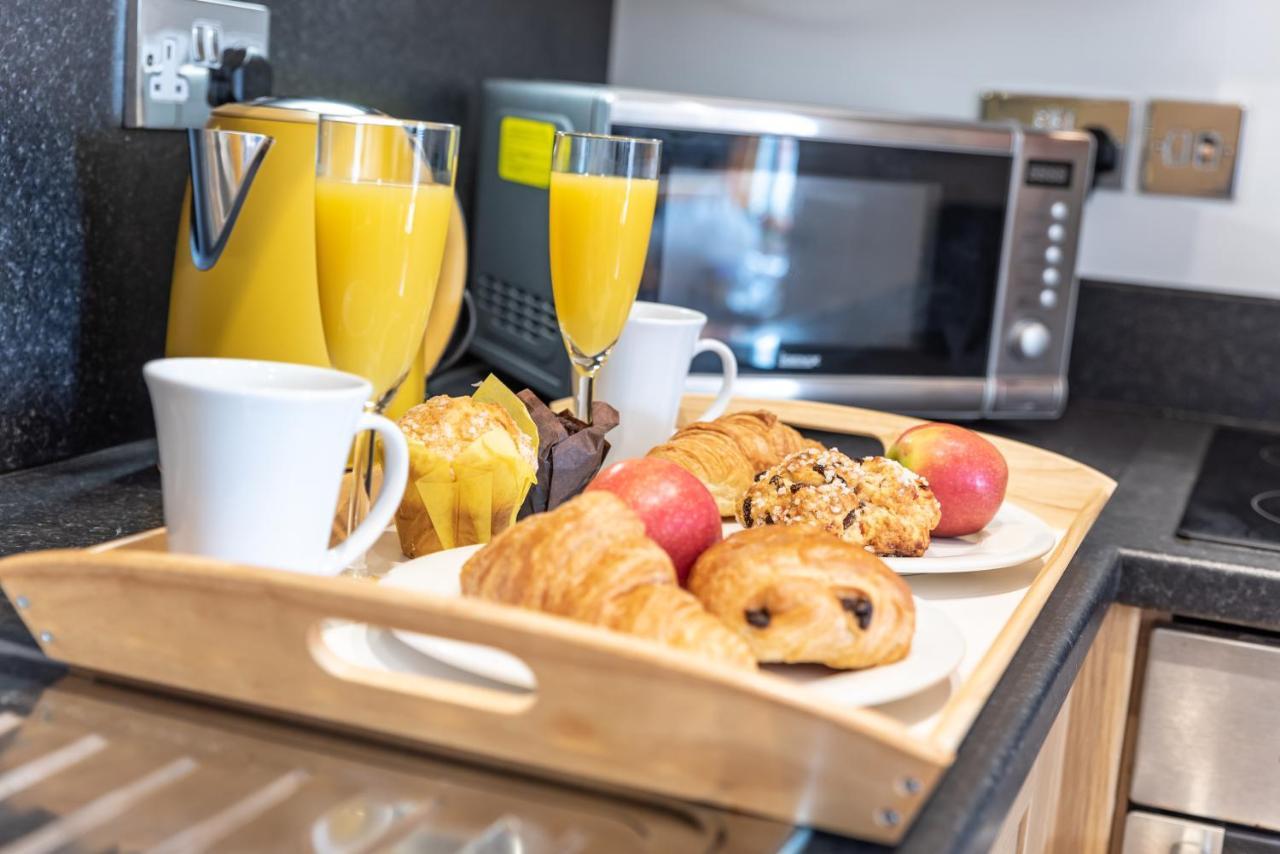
point(728, 366)
point(395, 472)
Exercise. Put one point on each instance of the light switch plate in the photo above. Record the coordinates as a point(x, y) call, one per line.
point(1191, 148)
point(170, 45)
point(1061, 112)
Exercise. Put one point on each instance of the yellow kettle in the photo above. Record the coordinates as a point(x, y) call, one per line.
point(244, 273)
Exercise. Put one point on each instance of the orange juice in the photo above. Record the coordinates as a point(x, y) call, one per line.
point(599, 238)
point(378, 251)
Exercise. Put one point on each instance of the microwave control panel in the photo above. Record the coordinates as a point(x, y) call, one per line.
point(1052, 174)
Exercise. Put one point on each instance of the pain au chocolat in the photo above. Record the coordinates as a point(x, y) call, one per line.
point(797, 595)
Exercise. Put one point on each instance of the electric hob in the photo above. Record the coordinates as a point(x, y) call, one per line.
point(1236, 498)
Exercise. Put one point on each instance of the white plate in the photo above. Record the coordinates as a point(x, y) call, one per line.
point(936, 649)
point(1013, 537)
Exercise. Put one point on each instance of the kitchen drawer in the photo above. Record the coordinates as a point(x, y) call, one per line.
point(1209, 730)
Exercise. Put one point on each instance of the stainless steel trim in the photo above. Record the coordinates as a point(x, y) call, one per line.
point(1149, 833)
point(240, 24)
point(1019, 385)
point(320, 106)
point(1207, 743)
point(731, 115)
point(1000, 306)
point(223, 166)
point(1073, 281)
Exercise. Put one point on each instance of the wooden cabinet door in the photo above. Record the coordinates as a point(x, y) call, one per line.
point(1067, 803)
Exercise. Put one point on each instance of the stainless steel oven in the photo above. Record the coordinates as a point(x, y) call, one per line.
point(1206, 766)
point(915, 265)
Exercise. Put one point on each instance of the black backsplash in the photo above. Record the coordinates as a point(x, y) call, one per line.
point(1185, 352)
point(88, 210)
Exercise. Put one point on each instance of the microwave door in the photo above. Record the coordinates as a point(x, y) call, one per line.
point(821, 263)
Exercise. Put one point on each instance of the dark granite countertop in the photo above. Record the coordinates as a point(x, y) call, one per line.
point(1132, 555)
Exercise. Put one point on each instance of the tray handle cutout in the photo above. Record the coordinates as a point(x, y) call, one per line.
point(446, 685)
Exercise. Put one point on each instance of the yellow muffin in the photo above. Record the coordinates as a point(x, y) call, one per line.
point(463, 486)
point(448, 425)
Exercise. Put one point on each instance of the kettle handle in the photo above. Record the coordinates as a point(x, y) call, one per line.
point(223, 166)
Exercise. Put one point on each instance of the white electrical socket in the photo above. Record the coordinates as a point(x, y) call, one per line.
point(165, 81)
point(170, 47)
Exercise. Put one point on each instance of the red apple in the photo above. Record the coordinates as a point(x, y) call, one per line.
point(965, 471)
point(678, 512)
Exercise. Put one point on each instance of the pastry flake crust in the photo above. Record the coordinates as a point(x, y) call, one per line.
point(762, 437)
point(727, 453)
point(797, 595)
point(873, 502)
point(714, 458)
point(589, 560)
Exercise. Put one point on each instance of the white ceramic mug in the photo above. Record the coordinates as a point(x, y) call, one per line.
point(645, 376)
point(252, 456)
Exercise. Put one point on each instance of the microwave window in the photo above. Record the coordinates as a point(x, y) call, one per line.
point(822, 257)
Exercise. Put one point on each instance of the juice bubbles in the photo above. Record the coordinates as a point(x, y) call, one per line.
point(378, 251)
point(599, 238)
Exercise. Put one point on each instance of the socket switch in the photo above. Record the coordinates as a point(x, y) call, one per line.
point(1059, 112)
point(1191, 148)
point(170, 48)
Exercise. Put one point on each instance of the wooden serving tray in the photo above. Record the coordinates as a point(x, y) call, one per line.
point(608, 708)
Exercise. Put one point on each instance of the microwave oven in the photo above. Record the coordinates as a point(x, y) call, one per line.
point(919, 266)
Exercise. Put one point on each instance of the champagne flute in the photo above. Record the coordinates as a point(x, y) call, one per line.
point(603, 191)
point(384, 193)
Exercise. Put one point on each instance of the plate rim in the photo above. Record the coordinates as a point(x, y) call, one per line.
point(1002, 560)
point(1011, 558)
point(425, 644)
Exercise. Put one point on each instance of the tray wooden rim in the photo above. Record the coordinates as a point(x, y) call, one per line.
point(562, 655)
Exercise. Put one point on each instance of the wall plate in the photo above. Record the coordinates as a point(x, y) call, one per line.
point(1060, 112)
point(1191, 148)
point(170, 45)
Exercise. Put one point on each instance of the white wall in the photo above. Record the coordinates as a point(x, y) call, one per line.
point(934, 57)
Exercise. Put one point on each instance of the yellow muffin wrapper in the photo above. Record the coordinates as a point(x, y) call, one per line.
point(470, 498)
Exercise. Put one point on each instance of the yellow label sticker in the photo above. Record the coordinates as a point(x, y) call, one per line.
point(524, 151)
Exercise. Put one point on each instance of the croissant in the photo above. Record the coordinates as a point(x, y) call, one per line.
point(713, 457)
point(589, 560)
point(763, 438)
point(797, 594)
point(726, 454)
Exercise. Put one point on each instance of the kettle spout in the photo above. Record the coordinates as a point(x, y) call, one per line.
point(223, 166)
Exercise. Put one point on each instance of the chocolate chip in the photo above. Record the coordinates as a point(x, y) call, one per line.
point(760, 475)
point(769, 520)
point(860, 607)
point(820, 469)
point(776, 481)
point(746, 512)
point(758, 617)
point(796, 487)
point(849, 518)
